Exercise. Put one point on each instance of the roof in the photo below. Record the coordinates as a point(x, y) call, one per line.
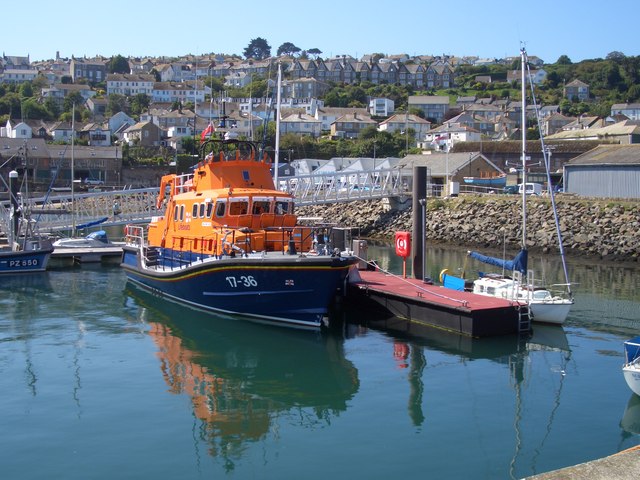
point(627, 127)
point(609, 155)
point(441, 163)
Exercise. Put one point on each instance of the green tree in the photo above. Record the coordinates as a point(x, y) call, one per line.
point(31, 109)
point(118, 64)
point(315, 52)
point(258, 49)
point(139, 103)
point(52, 107)
point(73, 98)
point(287, 48)
point(116, 103)
point(563, 60)
point(26, 90)
point(10, 105)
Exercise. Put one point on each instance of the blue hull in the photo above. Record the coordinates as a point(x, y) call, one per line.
point(24, 261)
point(486, 182)
point(276, 288)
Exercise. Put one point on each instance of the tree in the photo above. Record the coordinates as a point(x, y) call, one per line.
point(315, 52)
point(73, 98)
point(26, 91)
point(615, 56)
point(258, 48)
point(116, 103)
point(31, 109)
point(52, 107)
point(287, 48)
point(563, 60)
point(139, 103)
point(119, 64)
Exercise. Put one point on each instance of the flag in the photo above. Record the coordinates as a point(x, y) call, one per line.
point(207, 132)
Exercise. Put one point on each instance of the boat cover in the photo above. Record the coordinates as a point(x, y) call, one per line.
point(632, 349)
point(518, 263)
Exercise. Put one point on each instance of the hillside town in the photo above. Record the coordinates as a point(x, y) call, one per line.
point(178, 99)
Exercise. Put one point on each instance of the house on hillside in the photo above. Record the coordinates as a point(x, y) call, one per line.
point(16, 129)
point(350, 125)
point(434, 107)
point(576, 89)
point(629, 110)
point(146, 134)
point(607, 171)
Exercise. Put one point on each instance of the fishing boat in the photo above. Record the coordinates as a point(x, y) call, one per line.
point(230, 242)
point(547, 304)
point(631, 367)
point(497, 180)
point(25, 251)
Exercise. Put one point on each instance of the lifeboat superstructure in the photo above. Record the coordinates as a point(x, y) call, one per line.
point(228, 204)
point(229, 241)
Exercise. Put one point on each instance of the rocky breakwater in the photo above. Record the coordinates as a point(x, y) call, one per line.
point(599, 228)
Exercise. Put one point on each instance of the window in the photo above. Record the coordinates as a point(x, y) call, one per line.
point(201, 212)
point(194, 211)
point(238, 207)
point(209, 210)
point(221, 207)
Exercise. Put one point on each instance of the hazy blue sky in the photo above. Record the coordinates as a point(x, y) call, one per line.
point(490, 29)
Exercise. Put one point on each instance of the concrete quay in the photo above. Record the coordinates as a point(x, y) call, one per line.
point(624, 465)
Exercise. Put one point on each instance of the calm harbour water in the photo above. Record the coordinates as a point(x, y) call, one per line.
point(99, 380)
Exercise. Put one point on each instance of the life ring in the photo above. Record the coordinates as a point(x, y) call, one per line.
point(442, 274)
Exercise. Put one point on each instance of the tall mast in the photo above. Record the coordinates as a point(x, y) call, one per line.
point(523, 129)
point(73, 136)
point(277, 154)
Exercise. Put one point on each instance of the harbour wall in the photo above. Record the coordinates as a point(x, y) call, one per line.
point(606, 229)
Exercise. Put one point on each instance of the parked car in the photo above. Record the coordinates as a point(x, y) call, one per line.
point(93, 181)
point(531, 189)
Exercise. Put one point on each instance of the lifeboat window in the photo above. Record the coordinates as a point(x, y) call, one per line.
point(209, 210)
point(201, 212)
point(176, 211)
point(261, 206)
point(238, 207)
point(181, 212)
point(194, 211)
point(283, 207)
point(221, 208)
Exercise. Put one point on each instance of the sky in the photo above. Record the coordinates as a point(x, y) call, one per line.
point(490, 29)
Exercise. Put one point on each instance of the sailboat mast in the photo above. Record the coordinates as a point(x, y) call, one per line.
point(73, 173)
point(523, 129)
point(277, 154)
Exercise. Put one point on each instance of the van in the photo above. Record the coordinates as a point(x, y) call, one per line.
point(531, 188)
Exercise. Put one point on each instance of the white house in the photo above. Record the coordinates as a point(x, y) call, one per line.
point(381, 107)
point(17, 130)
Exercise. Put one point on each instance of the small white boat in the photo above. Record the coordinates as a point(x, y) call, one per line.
point(97, 239)
point(631, 367)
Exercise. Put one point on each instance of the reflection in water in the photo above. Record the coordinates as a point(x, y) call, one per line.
point(630, 422)
point(537, 366)
point(241, 376)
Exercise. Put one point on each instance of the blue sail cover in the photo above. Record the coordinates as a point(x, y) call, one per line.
point(518, 263)
point(91, 224)
point(632, 349)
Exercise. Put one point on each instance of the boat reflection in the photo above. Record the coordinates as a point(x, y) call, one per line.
point(242, 376)
point(630, 422)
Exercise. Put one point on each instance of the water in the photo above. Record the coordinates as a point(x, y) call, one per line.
point(100, 380)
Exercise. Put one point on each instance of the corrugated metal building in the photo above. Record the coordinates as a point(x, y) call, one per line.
point(607, 171)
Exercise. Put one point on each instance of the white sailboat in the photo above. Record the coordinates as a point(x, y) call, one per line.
point(547, 305)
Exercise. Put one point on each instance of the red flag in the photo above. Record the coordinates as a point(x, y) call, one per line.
point(206, 132)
